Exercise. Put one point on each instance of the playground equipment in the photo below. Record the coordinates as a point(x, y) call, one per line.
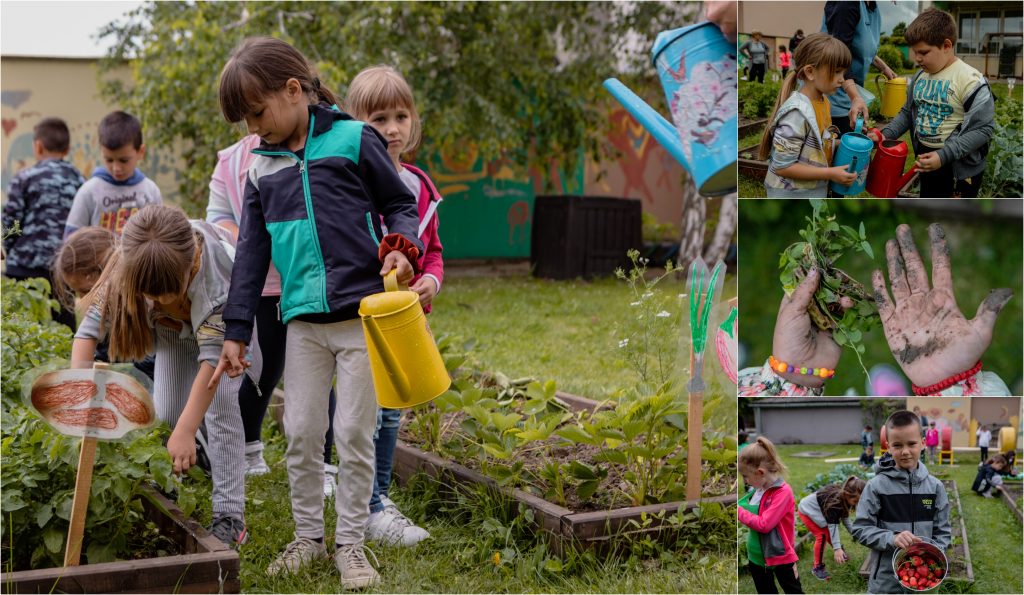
point(407, 367)
point(697, 68)
point(946, 444)
point(972, 433)
point(1007, 438)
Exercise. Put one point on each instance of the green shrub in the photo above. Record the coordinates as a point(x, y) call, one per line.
point(1002, 175)
point(838, 474)
point(891, 55)
point(38, 481)
point(758, 100)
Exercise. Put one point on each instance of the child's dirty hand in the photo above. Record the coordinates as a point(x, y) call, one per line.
point(840, 175)
point(905, 539)
point(839, 556)
point(926, 331)
point(797, 341)
point(426, 288)
point(928, 161)
point(182, 449)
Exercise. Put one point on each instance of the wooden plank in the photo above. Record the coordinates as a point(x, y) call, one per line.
point(213, 571)
point(590, 525)
point(1010, 501)
point(578, 403)
point(80, 502)
point(186, 531)
point(963, 534)
point(745, 129)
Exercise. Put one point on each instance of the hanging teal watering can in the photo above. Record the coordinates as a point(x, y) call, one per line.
point(697, 67)
point(855, 151)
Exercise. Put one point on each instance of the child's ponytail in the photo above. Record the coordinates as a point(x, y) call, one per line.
point(155, 258)
point(762, 453)
point(788, 87)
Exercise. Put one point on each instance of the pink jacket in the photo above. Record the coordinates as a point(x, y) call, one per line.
point(776, 522)
point(227, 189)
point(931, 437)
point(429, 264)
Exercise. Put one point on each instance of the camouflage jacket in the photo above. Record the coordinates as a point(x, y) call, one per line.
point(39, 198)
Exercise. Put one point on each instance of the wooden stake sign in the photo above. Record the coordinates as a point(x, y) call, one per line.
point(702, 299)
point(94, 404)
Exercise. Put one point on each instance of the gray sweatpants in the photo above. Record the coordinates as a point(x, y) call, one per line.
point(314, 353)
point(177, 364)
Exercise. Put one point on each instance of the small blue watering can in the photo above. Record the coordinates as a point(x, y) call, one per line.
point(697, 67)
point(855, 151)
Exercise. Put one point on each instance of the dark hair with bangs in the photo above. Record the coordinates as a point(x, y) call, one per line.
point(119, 129)
point(817, 50)
point(382, 87)
point(260, 66)
point(933, 27)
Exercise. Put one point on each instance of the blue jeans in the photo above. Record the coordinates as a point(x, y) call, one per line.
point(384, 441)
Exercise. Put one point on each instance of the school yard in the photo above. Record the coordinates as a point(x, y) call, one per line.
point(993, 533)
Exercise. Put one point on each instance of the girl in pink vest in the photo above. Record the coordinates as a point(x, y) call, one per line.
point(380, 96)
point(931, 440)
point(784, 60)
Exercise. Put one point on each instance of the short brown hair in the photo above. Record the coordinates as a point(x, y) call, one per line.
point(118, 129)
point(933, 27)
point(902, 419)
point(53, 133)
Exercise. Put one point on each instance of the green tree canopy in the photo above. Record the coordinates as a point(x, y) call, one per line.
point(517, 80)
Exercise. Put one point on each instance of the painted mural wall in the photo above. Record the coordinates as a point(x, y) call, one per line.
point(958, 412)
point(487, 207)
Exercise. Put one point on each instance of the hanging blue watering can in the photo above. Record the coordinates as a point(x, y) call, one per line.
point(697, 67)
point(855, 150)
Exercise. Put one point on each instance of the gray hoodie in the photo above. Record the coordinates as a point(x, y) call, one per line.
point(967, 146)
point(893, 501)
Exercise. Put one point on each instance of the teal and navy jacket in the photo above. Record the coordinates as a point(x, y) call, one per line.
point(317, 214)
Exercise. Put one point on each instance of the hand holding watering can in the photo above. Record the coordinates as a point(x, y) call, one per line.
point(855, 152)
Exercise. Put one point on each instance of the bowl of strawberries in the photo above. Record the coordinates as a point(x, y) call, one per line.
point(921, 567)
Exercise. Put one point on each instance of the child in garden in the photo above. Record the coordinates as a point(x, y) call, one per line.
point(901, 504)
point(988, 482)
point(39, 200)
point(767, 510)
point(314, 199)
point(931, 440)
point(949, 111)
point(867, 458)
point(822, 512)
point(784, 60)
point(227, 188)
point(380, 96)
point(118, 190)
point(172, 275)
point(984, 440)
point(799, 139)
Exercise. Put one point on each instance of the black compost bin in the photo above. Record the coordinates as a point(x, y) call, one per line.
point(583, 236)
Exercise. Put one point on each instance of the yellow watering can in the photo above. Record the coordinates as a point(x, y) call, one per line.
point(407, 367)
point(893, 96)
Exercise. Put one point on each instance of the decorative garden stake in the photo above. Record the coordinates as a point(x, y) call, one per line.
point(94, 404)
point(702, 300)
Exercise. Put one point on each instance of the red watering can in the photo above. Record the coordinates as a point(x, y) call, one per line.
point(885, 176)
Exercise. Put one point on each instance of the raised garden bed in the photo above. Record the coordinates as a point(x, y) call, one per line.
point(1011, 496)
point(564, 528)
point(748, 126)
point(204, 564)
point(960, 568)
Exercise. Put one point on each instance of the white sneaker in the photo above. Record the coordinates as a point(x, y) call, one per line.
point(391, 527)
point(330, 480)
point(254, 463)
point(297, 554)
point(356, 571)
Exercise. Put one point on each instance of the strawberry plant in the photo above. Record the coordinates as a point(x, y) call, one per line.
point(825, 241)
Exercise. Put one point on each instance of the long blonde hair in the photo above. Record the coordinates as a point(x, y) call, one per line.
point(762, 453)
point(155, 258)
point(85, 253)
point(816, 50)
point(382, 87)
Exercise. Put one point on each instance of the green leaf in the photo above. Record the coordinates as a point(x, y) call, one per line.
point(861, 234)
point(867, 249)
point(53, 539)
point(43, 514)
point(586, 489)
point(97, 552)
point(575, 434)
point(611, 456)
point(581, 471)
point(553, 565)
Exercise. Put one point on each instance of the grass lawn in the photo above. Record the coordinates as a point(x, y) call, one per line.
point(980, 246)
point(524, 327)
point(994, 535)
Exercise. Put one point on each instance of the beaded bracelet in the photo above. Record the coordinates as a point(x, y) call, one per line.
point(783, 367)
point(944, 384)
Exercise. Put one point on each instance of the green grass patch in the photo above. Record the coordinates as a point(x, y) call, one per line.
point(980, 248)
point(993, 534)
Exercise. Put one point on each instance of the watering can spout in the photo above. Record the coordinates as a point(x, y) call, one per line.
point(662, 131)
point(391, 364)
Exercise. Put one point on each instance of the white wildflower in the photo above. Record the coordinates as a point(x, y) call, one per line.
point(634, 303)
point(647, 294)
point(663, 314)
point(623, 343)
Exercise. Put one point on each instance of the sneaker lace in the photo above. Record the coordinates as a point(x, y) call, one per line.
point(399, 519)
point(355, 559)
point(294, 551)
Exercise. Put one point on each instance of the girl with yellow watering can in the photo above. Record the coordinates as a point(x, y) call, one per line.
point(315, 196)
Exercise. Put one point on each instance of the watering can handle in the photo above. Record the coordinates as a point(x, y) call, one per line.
point(859, 124)
point(877, 84)
point(391, 281)
point(394, 369)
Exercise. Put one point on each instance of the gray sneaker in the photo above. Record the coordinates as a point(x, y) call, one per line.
point(254, 462)
point(820, 573)
point(356, 571)
point(229, 529)
point(296, 555)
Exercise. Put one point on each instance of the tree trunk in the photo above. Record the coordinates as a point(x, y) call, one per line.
point(719, 246)
point(694, 216)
